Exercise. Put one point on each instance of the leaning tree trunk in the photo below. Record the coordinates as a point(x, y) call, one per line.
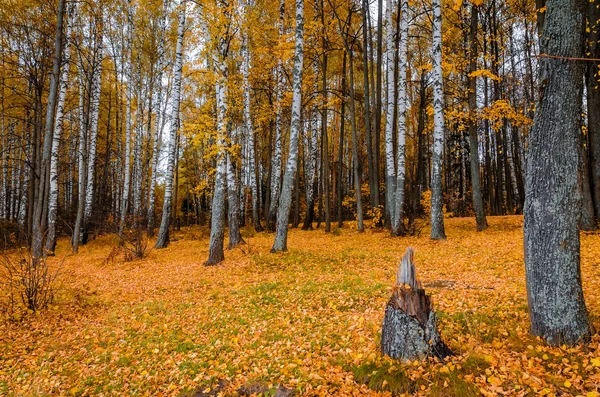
point(162, 239)
point(410, 329)
point(557, 308)
point(437, 215)
point(285, 201)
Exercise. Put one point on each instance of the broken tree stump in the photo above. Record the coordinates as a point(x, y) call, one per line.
point(409, 329)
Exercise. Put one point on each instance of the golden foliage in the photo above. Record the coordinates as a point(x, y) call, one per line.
point(309, 319)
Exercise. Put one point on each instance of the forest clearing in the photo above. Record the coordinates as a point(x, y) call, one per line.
point(308, 319)
point(299, 197)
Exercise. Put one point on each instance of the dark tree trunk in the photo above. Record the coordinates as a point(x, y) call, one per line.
point(478, 206)
point(553, 200)
point(593, 104)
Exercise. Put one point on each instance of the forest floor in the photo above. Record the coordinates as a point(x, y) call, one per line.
point(309, 319)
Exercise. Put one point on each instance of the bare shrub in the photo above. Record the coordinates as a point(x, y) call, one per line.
point(27, 284)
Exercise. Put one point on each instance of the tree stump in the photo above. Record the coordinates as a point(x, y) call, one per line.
point(409, 329)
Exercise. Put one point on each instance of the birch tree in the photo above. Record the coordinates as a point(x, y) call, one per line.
point(276, 160)
point(217, 230)
point(248, 128)
point(285, 201)
point(158, 119)
point(397, 218)
point(39, 219)
point(94, 114)
point(437, 214)
point(128, 98)
point(56, 137)
point(163, 234)
point(390, 173)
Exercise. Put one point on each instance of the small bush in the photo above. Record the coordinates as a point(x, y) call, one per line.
point(27, 284)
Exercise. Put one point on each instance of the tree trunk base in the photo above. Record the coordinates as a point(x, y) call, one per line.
point(409, 330)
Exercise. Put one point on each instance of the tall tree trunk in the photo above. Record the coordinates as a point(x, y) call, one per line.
point(310, 145)
point(37, 239)
point(324, 133)
point(276, 160)
point(58, 126)
point(162, 239)
point(94, 116)
point(82, 169)
point(128, 98)
point(158, 119)
point(249, 131)
point(478, 206)
point(285, 200)
point(359, 210)
point(593, 102)
point(217, 221)
point(340, 167)
point(557, 308)
point(390, 178)
point(398, 218)
point(437, 201)
point(373, 188)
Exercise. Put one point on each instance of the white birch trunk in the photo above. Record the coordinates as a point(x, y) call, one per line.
point(58, 126)
point(249, 132)
point(390, 173)
point(81, 166)
point(157, 118)
point(95, 112)
point(163, 234)
point(128, 95)
point(217, 220)
point(437, 214)
point(285, 201)
point(276, 160)
point(397, 219)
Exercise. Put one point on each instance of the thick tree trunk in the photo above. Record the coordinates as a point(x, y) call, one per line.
point(163, 234)
point(437, 202)
point(478, 206)
point(593, 102)
point(557, 309)
point(285, 200)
